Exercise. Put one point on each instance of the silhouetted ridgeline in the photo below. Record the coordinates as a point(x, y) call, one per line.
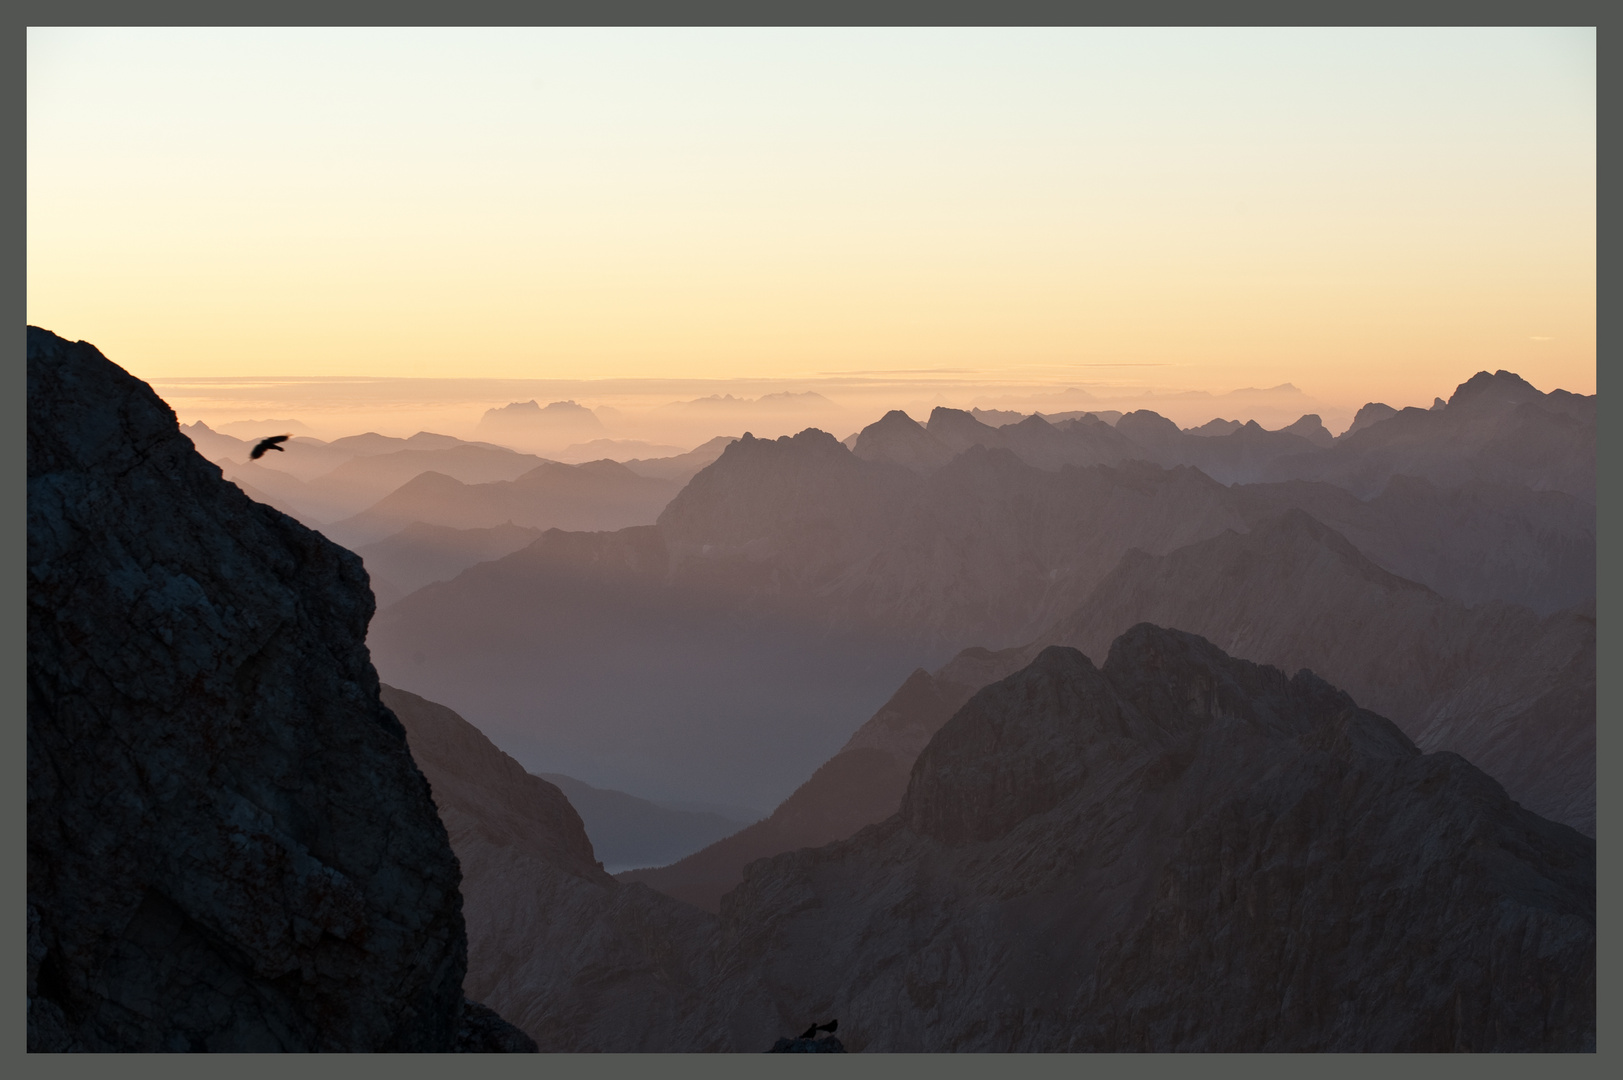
point(229, 846)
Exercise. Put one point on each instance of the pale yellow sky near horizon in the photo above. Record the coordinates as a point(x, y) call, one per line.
point(1368, 214)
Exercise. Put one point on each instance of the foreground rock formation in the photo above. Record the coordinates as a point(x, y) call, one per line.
point(229, 846)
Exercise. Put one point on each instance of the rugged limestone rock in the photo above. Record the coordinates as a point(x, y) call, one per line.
point(229, 846)
point(1178, 851)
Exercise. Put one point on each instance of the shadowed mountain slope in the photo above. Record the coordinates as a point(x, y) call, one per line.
point(1178, 851)
point(229, 845)
point(577, 960)
point(1477, 542)
point(1510, 690)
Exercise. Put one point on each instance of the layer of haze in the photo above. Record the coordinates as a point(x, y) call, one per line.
point(1366, 214)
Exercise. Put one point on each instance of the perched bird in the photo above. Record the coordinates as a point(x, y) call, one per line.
point(828, 1027)
point(809, 1033)
point(272, 443)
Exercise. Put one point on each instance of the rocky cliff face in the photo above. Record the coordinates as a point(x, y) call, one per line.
point(1178, 851)
point(229, 846)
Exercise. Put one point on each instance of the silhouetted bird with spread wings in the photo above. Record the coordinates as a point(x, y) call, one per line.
point(273, 443)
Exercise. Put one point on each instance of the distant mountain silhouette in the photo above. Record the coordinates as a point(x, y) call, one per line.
point(1477, 542)
point(1226, 450)
point(802, 542)
point(1372, 413)
point(526, 425)
point(421, 554)
point(1495, 427)
point(616, 450)
point(681, 467)
point(595, 495)
point(321, 481)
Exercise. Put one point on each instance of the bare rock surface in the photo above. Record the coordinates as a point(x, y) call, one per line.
point(1177, 851)
point(229, 845)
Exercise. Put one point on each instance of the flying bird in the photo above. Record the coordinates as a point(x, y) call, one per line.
point(272, 443)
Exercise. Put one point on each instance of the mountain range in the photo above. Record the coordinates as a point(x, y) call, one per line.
point(239, 839)
point(1176, 851)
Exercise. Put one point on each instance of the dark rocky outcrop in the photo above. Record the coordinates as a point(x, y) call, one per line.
point(1178, 851)
point(229, 845)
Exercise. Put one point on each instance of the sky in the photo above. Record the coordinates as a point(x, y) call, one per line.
point(1364, 214)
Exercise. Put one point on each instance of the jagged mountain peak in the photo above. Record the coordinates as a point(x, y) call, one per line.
point(1501, 385)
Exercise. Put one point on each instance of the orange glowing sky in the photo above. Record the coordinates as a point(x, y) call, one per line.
point(1368, 214)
